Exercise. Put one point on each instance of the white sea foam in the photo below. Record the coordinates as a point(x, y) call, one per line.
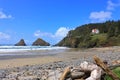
point(28, 48)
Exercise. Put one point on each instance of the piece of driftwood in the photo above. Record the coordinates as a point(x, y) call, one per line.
point(114, 66)
point(100, 63)
point(94, 71)
point(79, 79)
point(89, 71)
point(77, 75)
point(65, 73)
point(95, 74)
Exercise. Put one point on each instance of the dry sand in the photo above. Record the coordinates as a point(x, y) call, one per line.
point(26, 61)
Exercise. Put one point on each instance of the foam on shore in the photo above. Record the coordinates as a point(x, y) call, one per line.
point(28, 48)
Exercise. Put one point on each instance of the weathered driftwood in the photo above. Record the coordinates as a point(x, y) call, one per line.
point(65, 73)
point(76, 75)
point(79, 73)
point(114, 66)
point(89, 71)
point(116, 62)
point(94, 71)
point(95, 75)
point(100, 63)
point(79, 79)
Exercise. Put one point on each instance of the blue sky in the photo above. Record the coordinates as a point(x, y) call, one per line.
point(50, 19)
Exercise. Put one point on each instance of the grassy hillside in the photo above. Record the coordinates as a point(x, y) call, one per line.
point(82, 36)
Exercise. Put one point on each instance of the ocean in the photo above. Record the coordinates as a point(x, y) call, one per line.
point(11, 52)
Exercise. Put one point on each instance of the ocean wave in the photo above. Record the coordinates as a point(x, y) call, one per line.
point(28, 48)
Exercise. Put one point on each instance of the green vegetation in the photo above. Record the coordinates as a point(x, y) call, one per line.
point(100, 39)
point(116, 71)
point(82, 36)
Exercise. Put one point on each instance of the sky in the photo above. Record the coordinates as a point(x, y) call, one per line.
point(51, 19)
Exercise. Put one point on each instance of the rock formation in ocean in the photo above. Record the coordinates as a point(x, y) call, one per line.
point(21, 43)
point(40, 42)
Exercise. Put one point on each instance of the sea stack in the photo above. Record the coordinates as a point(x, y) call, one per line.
point(40, 42)
point(21, 43)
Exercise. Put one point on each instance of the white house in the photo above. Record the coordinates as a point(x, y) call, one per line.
point(95, 31)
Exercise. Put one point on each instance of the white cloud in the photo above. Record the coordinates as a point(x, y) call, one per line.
point(4, 16)
point(4, 36)
point(104, 15)
point(61, 32)
point(111, 5)
point(100, 16)
point(38, 33)
point(57, 36)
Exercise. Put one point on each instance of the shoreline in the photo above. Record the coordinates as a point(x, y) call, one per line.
point(67, 55)
point(28, 54)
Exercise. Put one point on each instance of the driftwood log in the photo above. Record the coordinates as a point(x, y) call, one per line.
point(114, 66)
point(79, 74)
point(85, 71)
point(105, 68)
point(65, 73)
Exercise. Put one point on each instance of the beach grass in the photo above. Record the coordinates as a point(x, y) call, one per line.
point(116, 71)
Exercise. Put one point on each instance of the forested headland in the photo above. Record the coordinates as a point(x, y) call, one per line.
point(108, 34)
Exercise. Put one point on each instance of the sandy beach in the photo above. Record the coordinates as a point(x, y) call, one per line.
point(67, 55)
point(50, 67)
point(26, 61)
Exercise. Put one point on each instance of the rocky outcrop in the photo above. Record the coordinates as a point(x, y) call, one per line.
point(21, 43)
point(40, 42)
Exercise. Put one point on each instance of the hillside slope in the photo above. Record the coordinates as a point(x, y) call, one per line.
point(83, 37)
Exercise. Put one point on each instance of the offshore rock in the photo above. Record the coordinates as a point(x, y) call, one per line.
point(40, 42)
point(21, 43)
